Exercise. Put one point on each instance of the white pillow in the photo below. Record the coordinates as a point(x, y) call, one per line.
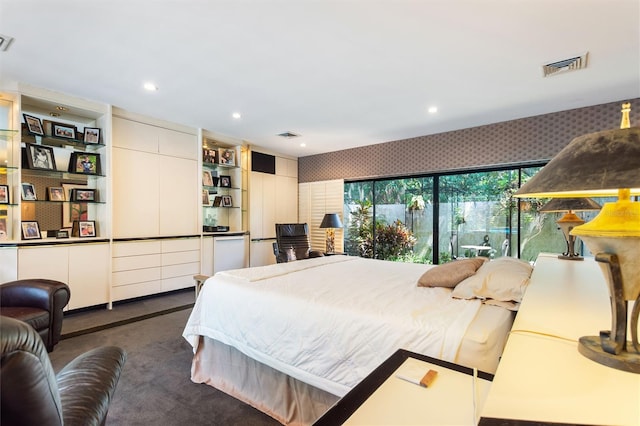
point(504, 278)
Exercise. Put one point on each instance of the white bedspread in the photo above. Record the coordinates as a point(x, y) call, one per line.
point(329, 321)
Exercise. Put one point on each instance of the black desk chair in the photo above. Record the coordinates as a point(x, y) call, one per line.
point(292, 243)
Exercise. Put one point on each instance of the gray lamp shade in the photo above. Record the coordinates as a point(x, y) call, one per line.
point(331, 220)
point(596, 164)
point(570, 204)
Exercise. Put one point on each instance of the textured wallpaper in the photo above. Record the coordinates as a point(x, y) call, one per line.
point(530, 139)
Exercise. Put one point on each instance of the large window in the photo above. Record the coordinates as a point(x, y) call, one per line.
point(435, 218)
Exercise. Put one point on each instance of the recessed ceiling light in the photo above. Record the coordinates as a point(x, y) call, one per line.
point(150, 87)
point(236, 115)
point(432, 110)
point(303, 145)
point(61, 108)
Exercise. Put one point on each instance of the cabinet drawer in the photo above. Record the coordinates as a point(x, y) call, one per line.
point(129, 263)
point(181, 244)
point(136, 290)
point(177, 283)
point(135, 276)
point(180, 257)
point(189, 269)
point(136, 248)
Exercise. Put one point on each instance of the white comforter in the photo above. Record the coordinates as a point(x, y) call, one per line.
point(329, 321)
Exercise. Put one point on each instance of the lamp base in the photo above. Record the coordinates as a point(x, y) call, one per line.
point(591, 347)
point(566, 257)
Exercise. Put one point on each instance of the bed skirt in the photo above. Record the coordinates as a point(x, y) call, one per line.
point(289, 401)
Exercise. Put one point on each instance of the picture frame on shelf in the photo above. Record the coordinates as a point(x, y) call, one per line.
point(4, 194)
point(83, 195)
point(217, 201)
point(87, 163)
point(34, 125)
point(209, 156)
point(205, 198)
point(225, 181)
point(3, 228)
point(30, 230)
point(73, 211)
point(207, 179)
point(227, 201)
point(28, 192)
point(227, 157)
point(64, 131)
point(84, 228)
point(39, 157)
point(91, 135)
point(55, 193)
point(62, 233)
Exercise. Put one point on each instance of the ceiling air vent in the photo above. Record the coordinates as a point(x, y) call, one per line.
point(5, 41)
point(570, 64)
point(288, 135)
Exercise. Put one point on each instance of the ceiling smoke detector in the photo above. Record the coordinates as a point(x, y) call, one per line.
point(570, 64)
point(288, 135)
point(5, 41)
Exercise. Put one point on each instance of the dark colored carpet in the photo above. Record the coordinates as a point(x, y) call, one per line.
point(155, 386)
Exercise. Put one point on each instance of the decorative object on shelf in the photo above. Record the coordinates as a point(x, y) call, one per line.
point(34, 125)
point(4, 194)
point(209, 156)
point(62, 234)
point(330, 221)
point(83, 195)
point(205, 198)
point(85, 163)
point(225, 181)
point(84, 228)
point(28, 192)
point(227, 157)
point(227, 201)
point(3, 228)
point(30, 230)
point(602, 164)
point(91, 135)
point(217, 201)
point(65, 131)
point(55, 193)
point(39, 157)
point(207, 179)
point(570, 220)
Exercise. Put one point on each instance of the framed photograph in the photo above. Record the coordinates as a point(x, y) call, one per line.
point(91, 135)
point(217, 201)
point(34, 125)
point(62, 234)
point(209, 156)
point(4, 194)
point(3, 228)
point(40, 157)
point(30, 230)
point(226, 201)
point(84, 195)
point(227, 157)
point(65, 131)
point(55, 193)
point(84, 228)
point(85, 163)
point(225, 181)
point(207, 179)
point(28, 192)
point(73, 211)
point(205, 197)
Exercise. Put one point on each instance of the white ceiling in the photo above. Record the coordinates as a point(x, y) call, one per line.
point(339, 73)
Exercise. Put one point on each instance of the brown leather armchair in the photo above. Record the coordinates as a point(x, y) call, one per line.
point(292, 243)
point(32, 394)
point(39, 303)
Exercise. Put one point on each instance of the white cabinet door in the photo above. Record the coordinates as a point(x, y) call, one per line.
point(268, 206)
point(255, 205)
point(48, 262)
point(88, 275)
point(230, 253)
point(134, 135)
point(286, 199)
point(179, 196)
point(178, 144)
point(136, 194)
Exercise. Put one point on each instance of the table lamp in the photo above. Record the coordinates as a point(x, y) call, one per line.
point(603, 164)
point(330, 221)
point(570, 220)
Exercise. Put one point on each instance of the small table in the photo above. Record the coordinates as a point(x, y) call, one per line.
point(455, 397)
point(477, 249)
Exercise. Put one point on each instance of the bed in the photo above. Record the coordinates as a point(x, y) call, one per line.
point(290, 339)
